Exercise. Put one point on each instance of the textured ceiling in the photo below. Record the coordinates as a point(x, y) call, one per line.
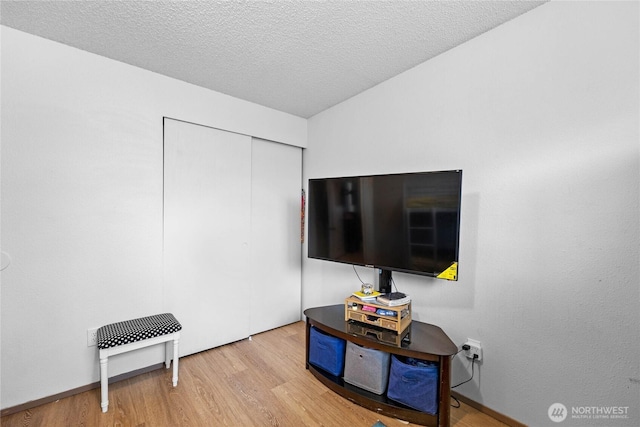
point(296, 56)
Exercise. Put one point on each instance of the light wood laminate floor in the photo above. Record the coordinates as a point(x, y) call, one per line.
point(257, 382)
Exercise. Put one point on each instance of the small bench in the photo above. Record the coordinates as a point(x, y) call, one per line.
point(121, 337)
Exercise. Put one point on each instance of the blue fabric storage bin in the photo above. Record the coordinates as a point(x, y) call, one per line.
point(326, 352)
point(414, 383)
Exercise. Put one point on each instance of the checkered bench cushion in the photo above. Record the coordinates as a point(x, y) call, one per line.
point(134, 330)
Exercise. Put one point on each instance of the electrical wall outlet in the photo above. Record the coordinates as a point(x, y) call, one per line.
point(475, 349)
point(92, 337)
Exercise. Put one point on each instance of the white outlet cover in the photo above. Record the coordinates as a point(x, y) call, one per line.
point(474, 344)
point(92, 337)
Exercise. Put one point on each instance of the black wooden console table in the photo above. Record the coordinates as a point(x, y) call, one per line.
point(427, 342)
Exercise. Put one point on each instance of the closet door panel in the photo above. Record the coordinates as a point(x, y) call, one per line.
point(275, 235)
point(207, 205)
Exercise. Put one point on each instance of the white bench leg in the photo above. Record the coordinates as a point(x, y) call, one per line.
point(168, 351)
point(104, 384)
point(175, 362)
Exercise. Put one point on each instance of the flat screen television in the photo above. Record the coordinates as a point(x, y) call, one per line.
point(407, 222)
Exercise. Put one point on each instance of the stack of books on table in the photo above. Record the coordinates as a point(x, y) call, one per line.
point(367, 297)
point(393, 299)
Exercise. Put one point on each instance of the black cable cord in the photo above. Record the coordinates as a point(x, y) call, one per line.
point(356, 271)
point(473, 363)
point(457, 401)
point(393, 284)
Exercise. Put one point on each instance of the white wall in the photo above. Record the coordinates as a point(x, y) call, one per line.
point(542, 116)
point(82, 203)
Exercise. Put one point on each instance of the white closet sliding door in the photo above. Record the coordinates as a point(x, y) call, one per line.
point(207, 214)
point(275, 235)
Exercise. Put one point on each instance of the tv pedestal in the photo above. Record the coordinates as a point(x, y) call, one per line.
point(427, 342)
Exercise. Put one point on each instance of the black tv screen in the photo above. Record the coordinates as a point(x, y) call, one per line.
point(406, 222)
